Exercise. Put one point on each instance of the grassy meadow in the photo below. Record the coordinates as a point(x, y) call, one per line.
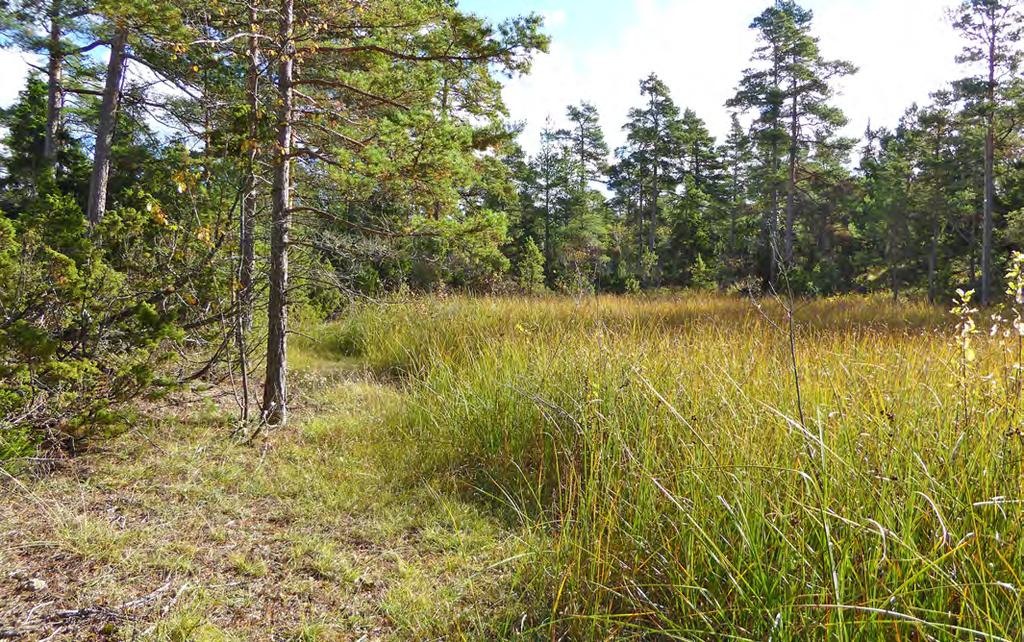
point(658, 450)
point(562, 469)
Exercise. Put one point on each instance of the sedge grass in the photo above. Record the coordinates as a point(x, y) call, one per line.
point(656, 445)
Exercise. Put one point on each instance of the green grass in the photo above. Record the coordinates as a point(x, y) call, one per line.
point(652, 452)
point(306, 535)
point(538, 469)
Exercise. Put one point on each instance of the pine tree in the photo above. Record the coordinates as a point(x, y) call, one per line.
point(584, 141)
point(149, 33)
point(738, 158)
point(585, 160)
point(992, 29)
point(56, 29)
point(790, 92)
point(653, 147)
point(552, 176)
point(887, 168)
point(936, 134)
point(695, 207)
point(372, 109)
point(699, 158)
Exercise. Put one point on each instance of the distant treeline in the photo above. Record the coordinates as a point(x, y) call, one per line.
point(930, 206)
point(176, 176)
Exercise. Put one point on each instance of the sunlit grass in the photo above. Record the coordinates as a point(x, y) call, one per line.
point(655, 448)
point(610, 468)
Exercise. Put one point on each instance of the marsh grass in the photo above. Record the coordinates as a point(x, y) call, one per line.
point(551, 469)
point(652, 449)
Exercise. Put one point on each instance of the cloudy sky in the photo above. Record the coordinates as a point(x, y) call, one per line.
point(12, 75)
point(601, 48)
point(905, 49)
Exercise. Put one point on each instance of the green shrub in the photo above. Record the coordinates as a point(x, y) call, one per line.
point(530, 271)
point(88, 316)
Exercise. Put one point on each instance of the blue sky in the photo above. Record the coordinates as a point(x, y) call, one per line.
point(593, 21)
point(601, 48)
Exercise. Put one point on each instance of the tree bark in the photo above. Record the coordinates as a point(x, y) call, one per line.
point(549, 250)
point(893, 261)
point(794, 132)
point(933, 260)
point(990, 188)
point(937, 209)
point(652, 231)
point(734, 212)
point(972, 264)
point(583, 159)
point(773, 219)
point(97, 204)
point(772, 224)
point(275, 400)
point(250, 197)
point(55, 92)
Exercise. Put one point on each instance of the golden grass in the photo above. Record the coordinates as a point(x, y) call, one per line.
point(658, 446)
point(608, 468)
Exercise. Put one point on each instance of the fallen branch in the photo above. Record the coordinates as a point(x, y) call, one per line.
point(106, 612)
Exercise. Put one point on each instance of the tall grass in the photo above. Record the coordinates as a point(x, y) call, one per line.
point(657, 443)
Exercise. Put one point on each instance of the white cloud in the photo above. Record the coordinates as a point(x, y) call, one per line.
point(555, 19)
point(13, 70)
point(904, 49)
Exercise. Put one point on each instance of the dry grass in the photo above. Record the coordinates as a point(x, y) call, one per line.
point(683, 489)
point(172, 532)
point(612, 468)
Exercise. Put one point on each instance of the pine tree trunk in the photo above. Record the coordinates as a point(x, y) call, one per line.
point(773, 213)
point(794, 132)
point(549, 251)
point(652, 231)
point(732, 230)
point(97, 204)
point(893, 262)
point(972, 263)
point(55, 92)
point(933, 260)
point(773, 219)
point(641, 239)
point(937, 206)
point(583, 161)
point(275, 402)
point(824, 236)
point(990, 187)
point(250, 197)
point(987, 224)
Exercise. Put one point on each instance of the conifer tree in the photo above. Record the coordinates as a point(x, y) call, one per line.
point(151, 34)
point(789, 90)
point(58, 30)
point(653, 147)
point(552, 180)
point(992, 29)
point(584, 141)
point(737, 157)
point(361, 92)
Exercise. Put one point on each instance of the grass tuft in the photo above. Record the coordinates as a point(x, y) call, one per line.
point(656, 446)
